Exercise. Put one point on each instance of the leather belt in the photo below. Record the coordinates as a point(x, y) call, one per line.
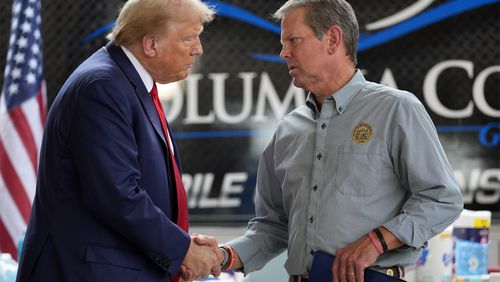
point(298, 278)
point(394, 271)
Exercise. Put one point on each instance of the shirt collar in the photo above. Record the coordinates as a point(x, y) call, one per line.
point(343, 96)
point(146, 78)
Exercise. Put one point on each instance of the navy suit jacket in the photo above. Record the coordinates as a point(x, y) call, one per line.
point(105, 202)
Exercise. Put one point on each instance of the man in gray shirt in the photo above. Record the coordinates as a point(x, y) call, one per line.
point(358, 172)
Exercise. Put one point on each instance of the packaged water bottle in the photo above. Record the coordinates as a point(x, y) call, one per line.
point(8, 268)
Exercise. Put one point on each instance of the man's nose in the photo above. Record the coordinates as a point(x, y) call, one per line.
point(285, 53)
point(198, 49)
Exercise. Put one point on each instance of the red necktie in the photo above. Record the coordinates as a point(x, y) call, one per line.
point(182, 210)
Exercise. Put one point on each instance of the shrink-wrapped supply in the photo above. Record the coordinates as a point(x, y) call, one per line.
point(473, 278)
point(435, 263)
point(471, 235)
point(411, 273)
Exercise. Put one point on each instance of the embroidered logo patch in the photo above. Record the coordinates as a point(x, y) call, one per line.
point(362, 133)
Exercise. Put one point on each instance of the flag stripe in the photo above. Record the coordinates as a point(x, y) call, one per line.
point(13, 184)
point(6, 243)
point(31, 110)
point(17, 155)
point(42, 104)
point(23, 129)
point(9, 214)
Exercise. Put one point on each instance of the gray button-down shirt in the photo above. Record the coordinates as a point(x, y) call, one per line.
point(371, 157)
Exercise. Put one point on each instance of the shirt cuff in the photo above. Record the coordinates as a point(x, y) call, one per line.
point(249, 253)
point(407, 231)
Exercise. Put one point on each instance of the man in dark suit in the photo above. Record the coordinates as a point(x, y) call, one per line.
point(110, 205)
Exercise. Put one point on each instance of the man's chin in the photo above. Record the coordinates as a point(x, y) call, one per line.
point(297, 83)
point(174, 78)
point(181, 76)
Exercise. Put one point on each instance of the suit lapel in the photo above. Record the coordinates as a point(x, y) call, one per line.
point(124, 63)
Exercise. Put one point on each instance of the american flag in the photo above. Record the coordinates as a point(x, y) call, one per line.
point(22, 117)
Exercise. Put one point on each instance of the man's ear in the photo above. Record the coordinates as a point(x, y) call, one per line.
point(149, 45)
point(334, 38)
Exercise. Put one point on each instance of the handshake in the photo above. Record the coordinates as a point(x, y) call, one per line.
point(204, 257)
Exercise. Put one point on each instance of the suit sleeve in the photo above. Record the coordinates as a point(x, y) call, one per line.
point(106, 156)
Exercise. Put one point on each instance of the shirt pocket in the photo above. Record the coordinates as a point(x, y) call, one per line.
point(358, 171)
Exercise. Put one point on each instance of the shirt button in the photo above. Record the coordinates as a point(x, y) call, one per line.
point(315, 187)
point(319, 156)
point(323, 126)
point(311, 219)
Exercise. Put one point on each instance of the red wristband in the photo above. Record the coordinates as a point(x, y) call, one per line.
point(376, 243)
point(232, 255)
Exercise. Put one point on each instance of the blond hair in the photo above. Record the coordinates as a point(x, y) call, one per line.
point(141, 17)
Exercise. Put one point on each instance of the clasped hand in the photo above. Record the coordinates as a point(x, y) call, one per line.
point(202, 259)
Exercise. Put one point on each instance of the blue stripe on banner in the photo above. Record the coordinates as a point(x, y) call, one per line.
point(463, 128)
point(488, 137)
point(98, 32)
point(264, 133)
point(437, 14)
point(268, 58)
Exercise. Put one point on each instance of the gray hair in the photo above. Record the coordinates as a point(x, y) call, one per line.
point(140, 17)
point(323, 14)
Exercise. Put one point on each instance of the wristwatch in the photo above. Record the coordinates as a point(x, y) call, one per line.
point(226, 257)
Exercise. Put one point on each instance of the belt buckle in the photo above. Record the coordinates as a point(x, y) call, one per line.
point(396, 271)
